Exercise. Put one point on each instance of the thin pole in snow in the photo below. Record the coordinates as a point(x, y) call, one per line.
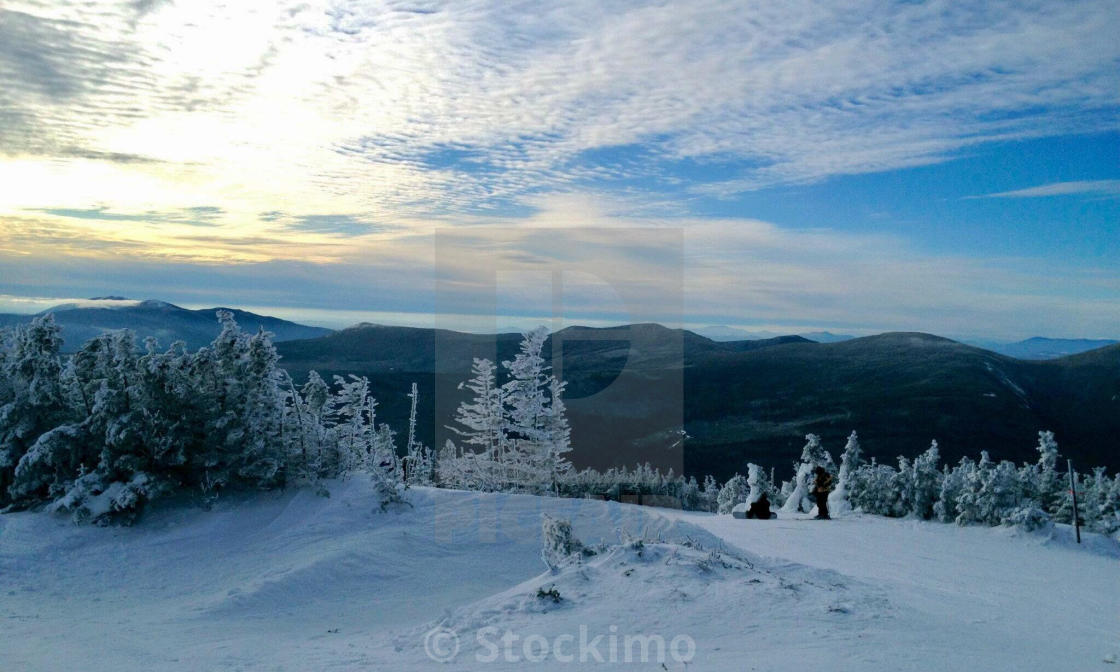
point(1073, 492)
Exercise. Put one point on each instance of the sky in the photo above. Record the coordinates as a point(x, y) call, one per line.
point(858, 166)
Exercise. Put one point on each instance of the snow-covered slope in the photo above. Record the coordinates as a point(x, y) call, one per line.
point(298, 582)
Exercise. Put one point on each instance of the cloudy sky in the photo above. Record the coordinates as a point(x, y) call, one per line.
point(857, 166)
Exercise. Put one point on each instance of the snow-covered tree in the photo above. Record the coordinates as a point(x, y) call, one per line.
point(798, 497)
point(558, 546)
point(418, 458)
point(970, 501)
point(1092, 498)
point(838, 502)
point(952, 485)
point(315, 395)
point(709, 494)
point(734, 491)
point(35, 399)
point(557, 435)
point(874, 489)
point(814, 454)
point(1108, 520)
point(1047, 481)
point(691, 498)
point(759, 483)
point(262, 459)
point(535, 418)
point(925, 483)
point(481, 422)
point(1000, 494)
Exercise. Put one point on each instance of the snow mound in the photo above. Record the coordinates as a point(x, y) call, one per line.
point(710, 601)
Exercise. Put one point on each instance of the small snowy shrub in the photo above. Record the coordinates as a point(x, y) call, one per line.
point(1028, 517)
point(557, 544)
point(551, 594)
point(88, 500)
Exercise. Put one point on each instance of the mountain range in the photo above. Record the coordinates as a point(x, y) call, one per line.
point(1036, 347)
point(165, 322)
point(631, 388)
point(1044, 348)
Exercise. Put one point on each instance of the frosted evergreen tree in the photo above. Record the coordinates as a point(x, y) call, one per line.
point(1108, 522)
point(709, 494)
point(969, 504)
point(452, 470)
point(481, 419)
point(173, 411)
point(952, 484)
point(419, 458)
point(535, 417)
point(36, 402)
point(482, 426)
point(874, 489)
point(1000, 494)
point(556, 438)
point(785, 491)
point(759, 483)
point(838, 502)
point(798, 498)
point(316, 393)
point(690, 494)
point(1091, 502)
point(925, 483)
point(261, 459)
point(347, 411)
point(902, 487)
point(734, 491)
point(225, 428)
point(814, 454)
point(299, 436)
point(1048, 483)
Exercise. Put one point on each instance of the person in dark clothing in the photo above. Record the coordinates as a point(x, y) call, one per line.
point(760, 509)
point(821, 487)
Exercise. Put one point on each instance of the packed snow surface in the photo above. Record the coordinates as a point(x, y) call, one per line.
point(296, 581)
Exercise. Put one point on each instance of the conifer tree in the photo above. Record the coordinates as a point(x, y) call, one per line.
point(925, 483)
point(734, 491)
point(838, 502)
point(36, 401)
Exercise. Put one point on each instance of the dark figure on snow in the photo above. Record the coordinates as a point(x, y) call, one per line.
point(821, 487)
point(760, 509)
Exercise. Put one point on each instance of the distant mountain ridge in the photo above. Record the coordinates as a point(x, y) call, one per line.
point(754, 400)
point(724, 333)
point(1040, 347)
point(166, 322)
point(1037, 347)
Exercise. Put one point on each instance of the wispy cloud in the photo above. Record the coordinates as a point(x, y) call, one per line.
point(201, 215)
point(379, 109)
point(1077, 188)
point(346, 225)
